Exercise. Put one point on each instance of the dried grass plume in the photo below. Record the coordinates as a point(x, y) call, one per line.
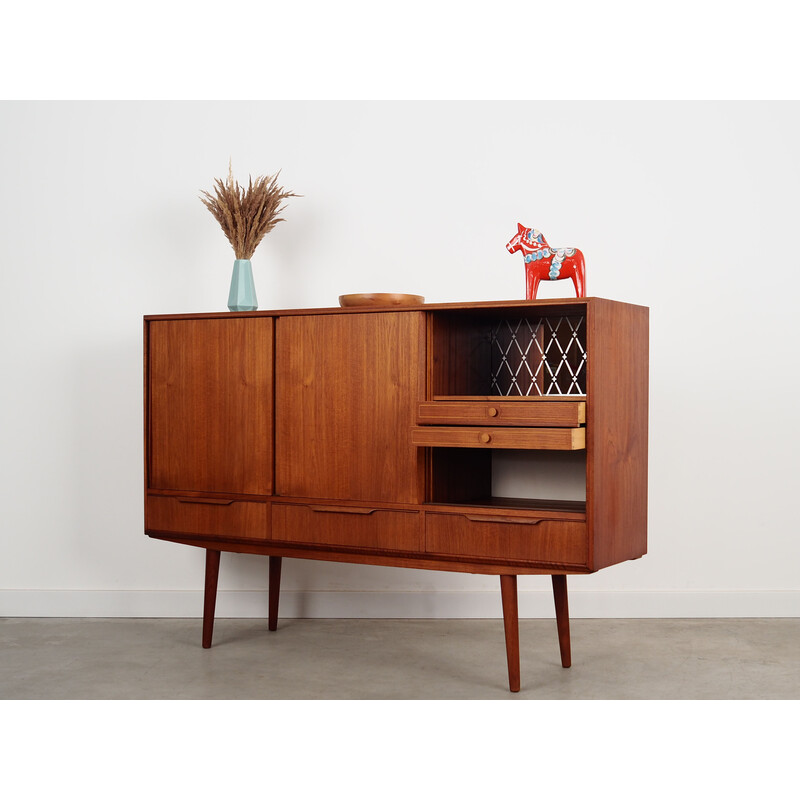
point(246, 216)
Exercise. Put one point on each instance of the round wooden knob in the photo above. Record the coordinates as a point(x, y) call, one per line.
point(486, 438)
point(491, 411)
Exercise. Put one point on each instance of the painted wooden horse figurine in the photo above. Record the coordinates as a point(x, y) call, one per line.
point(543, 262)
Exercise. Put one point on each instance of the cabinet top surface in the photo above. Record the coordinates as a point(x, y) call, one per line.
point(572, 303)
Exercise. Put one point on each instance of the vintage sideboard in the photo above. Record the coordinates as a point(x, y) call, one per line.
point(393, 435)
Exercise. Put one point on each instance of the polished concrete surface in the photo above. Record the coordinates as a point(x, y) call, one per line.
point(721, 659)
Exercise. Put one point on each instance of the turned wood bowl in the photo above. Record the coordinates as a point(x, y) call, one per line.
point(350, 300)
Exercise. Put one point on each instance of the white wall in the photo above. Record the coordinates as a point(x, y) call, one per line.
point(689, 208)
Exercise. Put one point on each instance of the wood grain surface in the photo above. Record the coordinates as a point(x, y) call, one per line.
point(535, 540)
point(501, 412)
point(347, 389)
point(616, 426)
point(505, 438)
point(210, 405)
point(378, 529)
point(233, 518)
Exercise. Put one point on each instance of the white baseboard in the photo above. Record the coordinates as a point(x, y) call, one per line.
point(400, 605)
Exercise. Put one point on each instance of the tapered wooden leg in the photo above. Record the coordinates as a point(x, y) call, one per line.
point(562, 617)
point(508, 591)
point(274, 590)
point(210, 600)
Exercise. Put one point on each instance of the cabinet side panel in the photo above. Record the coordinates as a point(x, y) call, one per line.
point(616, 431)
point(210, 405)
point(146, 405)
point(347, 389)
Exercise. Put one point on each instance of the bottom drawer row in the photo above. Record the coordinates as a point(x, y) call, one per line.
point(494, 536)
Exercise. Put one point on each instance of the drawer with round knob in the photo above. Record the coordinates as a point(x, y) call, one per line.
point(503, 411)
point(504, 438)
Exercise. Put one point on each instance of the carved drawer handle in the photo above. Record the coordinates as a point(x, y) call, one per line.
point(342, 510)
point(508, 520)
point(491, 411)
point(485, 438)
point(208, 501)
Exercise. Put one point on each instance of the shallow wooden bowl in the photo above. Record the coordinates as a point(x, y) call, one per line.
point(348, 300)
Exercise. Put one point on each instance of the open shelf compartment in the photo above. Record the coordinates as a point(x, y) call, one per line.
point(503, 355)
point(518, 479)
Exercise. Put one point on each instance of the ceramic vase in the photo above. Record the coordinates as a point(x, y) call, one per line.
point(242, 296)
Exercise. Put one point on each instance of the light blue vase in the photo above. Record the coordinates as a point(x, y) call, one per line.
point(242, 296)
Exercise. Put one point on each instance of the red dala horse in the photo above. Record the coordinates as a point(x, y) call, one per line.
point(543, 262)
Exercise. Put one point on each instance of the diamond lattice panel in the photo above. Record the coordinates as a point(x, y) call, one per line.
point(539, 357)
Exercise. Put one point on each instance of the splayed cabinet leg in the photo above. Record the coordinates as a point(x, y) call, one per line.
point(274, 590)
point(508, 591)
point(210, 599)
point(562, 617)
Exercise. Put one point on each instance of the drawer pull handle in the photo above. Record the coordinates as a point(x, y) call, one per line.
point(486, 438)
point(508, 520)
point(491, 411)
point(208, 501)
point(342, 510)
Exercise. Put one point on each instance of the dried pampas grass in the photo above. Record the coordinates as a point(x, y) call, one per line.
point(246, 216)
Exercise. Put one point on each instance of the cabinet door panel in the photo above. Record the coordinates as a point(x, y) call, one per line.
point(347, 388)
point(210, 405)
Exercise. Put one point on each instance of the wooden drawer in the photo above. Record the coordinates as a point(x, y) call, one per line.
point(212, 517)
point(506, 438)
point(535, 539)
point(549, 413)
point(347, 526)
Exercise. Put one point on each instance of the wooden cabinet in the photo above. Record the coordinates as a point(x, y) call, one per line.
point(387, 436)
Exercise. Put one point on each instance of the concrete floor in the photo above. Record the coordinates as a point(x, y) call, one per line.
point(397, 659)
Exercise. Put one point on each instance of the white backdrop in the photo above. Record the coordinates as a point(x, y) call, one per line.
point(689, 208)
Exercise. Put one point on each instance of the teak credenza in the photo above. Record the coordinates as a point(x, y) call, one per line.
point(385, 435)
